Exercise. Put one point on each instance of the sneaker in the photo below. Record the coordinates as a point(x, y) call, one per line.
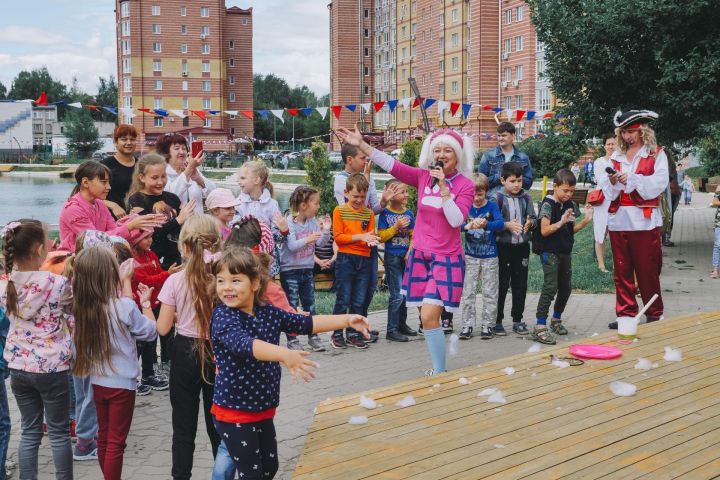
point(499, 330)
point(430, 372)
point(558, 328)
point(447, 325)
point(294, 344)
point(466, 333)
point(541, 334)
point(316, 343)
point(165, 367)
point(155, 383)
point(374, 335)
point(337, 341)
point(407, 331)
point(420, 330)
point(85, 453)
point(159, 372)
point(142, 390)
point(357, 342)
point(613, 325)
point(396, 337)
point(486, 332)
point(520, 328)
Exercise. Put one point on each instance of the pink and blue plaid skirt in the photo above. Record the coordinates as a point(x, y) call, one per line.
point(434, 279)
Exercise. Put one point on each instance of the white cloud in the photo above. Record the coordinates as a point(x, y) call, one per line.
point(23, 35)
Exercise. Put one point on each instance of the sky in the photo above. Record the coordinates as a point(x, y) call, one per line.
point(76, 38)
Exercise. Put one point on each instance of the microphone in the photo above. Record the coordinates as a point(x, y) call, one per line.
point(610, 171)
point(436, 166)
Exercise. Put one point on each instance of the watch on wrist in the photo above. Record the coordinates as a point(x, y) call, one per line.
point(145, 304)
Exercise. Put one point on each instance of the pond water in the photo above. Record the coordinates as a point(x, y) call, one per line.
point(42, 198)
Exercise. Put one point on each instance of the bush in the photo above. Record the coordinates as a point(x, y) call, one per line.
point(695, 172)
point(410, 156)
point(321, 176)
point(551, 151)
point(709, 149)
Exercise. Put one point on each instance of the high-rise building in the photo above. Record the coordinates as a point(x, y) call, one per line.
point(182, 55)
point(480, 52)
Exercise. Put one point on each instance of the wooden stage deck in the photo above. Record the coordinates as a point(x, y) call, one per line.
point(557, 422)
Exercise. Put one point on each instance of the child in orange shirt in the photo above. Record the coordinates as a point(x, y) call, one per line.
point(354, 232)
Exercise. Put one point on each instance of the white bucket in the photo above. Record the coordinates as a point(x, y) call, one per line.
point(627, 328)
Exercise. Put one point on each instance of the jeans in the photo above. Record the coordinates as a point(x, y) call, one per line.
point(253, 447)
point(299, 286)
point(352, 280)
point(397, 311)
point(37, 394)
point(373, 281)
point(4, 424)
point(186, 388)
point(557, 270)
point(86, 421)
point(514, 261)
point(115, 411)
point(716, 249)
point(224, 468)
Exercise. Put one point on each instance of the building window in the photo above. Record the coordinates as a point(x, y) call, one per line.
point(366, 71)
point(206, 67)
point(519, 43)
point(232, 96)
point(441, 43)
point(507, 102)
point(125, 9)
point(207, 104)
point(158, 121)
point(455, 40)
point(127, 84)
point(183, 11)
point(441, 66)
point(183, 29)
point(184, 85)
point(126, 47)
point(455, 64)
point(232, 129)
point(366, 90)
point(441, 89)
point(508, 17)
point(231, 44)
point(205, 48)
point(204, 12)
point(455, 17)
point(518, 101)
point(455, 87)
point(231, 62)
point(543, 99)
point(508, 74)
point(205, 30)
point(127, 101)
point(541, 69)
point(366, 32)
point(366, 13)
point(540, 47)
point(186, 122)
point(518, 72)
point(244, 21)
point(155, 10)
point(184, 66)
point(157, 47)
point(207, 123)
point(206, 86)
point(125, 28)
point(520, 13)
point(127, 65)
point(156, 28)
point(442, 19)
point(158, 103)
point(366, 52)
point(183, 48)
point(157, 66)
point(231, 79)
point(158, 84)
point(508, 46)
point(185, 103)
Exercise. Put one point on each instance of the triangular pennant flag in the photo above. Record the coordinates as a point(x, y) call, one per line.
point(351, 107)
point(59, 102)
point(519, 114)
point(161, 112)
point(263, 113)
point(42, 99)
point(92, 107)
point(416, 101)
point(293, 111)
point(112, 110)
point(466, 109)
point(322, 111)
point(530, 115)
point(365, 107)
point(442, 105)
point(178, 113)
point(336, 109)
point(454, 106)
point(488, 107)
point(199, 113)
point(549, 115)
point(509, 113)
point(213, 112)
point(307, 111)
point(248, 113)
point(127, 112)
point(392, 104)
point(496, 109)
point(429, 102)
point(278, 114)
point(230, 112)
point(77, 105)
point(405, 102)
point(378, 106)
point(146, 110)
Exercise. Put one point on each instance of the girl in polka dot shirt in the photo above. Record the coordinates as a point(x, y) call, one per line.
point(245, 334)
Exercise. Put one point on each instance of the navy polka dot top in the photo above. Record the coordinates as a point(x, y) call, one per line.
point(243, 382)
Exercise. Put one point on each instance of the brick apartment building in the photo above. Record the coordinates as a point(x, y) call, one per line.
point(479, 52)
point(182, 55)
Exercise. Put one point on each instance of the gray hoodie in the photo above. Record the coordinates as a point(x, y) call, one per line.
point(518, 207)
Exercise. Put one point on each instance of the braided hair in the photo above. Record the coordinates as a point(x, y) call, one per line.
point(19, 243)
point(302, 194)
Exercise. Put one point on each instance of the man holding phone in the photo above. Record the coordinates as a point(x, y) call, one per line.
point(637, 177)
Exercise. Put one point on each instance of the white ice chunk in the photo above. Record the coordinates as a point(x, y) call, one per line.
point(367, 402)
point(497, 397)
point(594, 334)
point(408, 401)
point(623, 389)
point(645, 364)
point(560, 363)
point(437, 385)
point(463, 381)
point(487, 392)
point(534, 374)
point(452, 349)
point(498, 409)
point(359, 420)
point(672, 354)
point(534, 348)
point(499, 445)
point(508, 370)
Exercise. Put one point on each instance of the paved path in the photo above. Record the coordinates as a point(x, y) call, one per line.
point(686, 288)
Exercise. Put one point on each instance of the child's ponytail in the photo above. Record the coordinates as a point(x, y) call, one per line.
point(20, 239)
point(90, 170)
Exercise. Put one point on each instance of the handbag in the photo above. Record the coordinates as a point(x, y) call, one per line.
point(596, 197)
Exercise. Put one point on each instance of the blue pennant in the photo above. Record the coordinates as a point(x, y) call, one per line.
point(263, 113)
point(112, 110)
point(497, 109)
point(307, 111)
point(159, 111)
point(392, 104)
point(466, 109)
point(429, 102)
point(530, 115)
point(351, 107)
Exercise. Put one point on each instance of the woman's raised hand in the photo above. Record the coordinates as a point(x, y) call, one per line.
point(351, 137)
point(187, 211)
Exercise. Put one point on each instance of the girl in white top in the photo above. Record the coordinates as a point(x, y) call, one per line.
point(600, 212)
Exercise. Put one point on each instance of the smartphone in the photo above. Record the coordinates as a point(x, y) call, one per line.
point(197, 147)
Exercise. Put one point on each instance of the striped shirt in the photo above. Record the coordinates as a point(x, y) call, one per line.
point(348, 222)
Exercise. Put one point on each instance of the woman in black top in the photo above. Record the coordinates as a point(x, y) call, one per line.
point(122, 166)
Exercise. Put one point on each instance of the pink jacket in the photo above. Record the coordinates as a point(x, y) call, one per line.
point(79, 215)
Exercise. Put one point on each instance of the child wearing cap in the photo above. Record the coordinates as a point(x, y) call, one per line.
point(221, 204)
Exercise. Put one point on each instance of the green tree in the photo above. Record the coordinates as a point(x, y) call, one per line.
point(81, 132)
point(620, 54)
point(321, 176)
point(107, 96)
point(3, 91)
point(29, 84)
point(409, 156)
point(709, 149)
point(551, 151)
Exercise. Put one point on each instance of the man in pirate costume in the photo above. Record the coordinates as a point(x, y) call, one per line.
point(635, 218)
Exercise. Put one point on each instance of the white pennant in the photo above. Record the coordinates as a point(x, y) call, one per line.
point(231, 112)
point(322, 111)
point(366, 107)
point(76, 105)
point(278, 114)
point(405, 102)
point(127, 112)
point(442, 105)
point(510, 113)
point(178, 113)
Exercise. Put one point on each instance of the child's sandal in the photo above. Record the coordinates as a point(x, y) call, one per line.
point(714, 274)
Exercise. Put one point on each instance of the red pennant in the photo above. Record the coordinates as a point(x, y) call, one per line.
point(199, 113)
point(487, 107)
point(549, 115)
point(92, 107)
point(454, 108)
point(416, 102)
point(519, 114)
point(42, 99)
point(146, 110)
point(336, 109)
point(293, 111)
point(248, 113)
point(378, 105)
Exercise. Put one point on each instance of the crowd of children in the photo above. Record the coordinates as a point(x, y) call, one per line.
point(119, 285)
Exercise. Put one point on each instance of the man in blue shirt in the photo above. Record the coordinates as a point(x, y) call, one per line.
point(493, 159)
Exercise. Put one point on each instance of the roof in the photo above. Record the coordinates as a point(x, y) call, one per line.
point(239, 11)
point(203, 131)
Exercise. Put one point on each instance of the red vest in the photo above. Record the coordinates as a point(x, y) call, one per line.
point(645, 166)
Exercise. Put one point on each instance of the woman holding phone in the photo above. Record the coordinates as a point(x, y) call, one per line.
point(600, 215)
point(184, 177)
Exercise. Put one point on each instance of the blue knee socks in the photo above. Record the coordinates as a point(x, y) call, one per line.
point(435, 341)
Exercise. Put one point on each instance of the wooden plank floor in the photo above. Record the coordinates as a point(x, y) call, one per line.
point(557, 423)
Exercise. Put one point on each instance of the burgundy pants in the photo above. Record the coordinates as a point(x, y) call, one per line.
point(114, 413)
point(637, 254)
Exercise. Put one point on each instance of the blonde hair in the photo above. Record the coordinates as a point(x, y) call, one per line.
point(200, 233)
point(647, 135)
point(481, 182)
point(147, 160)
point(259, 169)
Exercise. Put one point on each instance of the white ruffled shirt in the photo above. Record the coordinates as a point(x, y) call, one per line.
point(187, 188)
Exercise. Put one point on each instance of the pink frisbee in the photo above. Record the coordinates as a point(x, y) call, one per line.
point(598, 352)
